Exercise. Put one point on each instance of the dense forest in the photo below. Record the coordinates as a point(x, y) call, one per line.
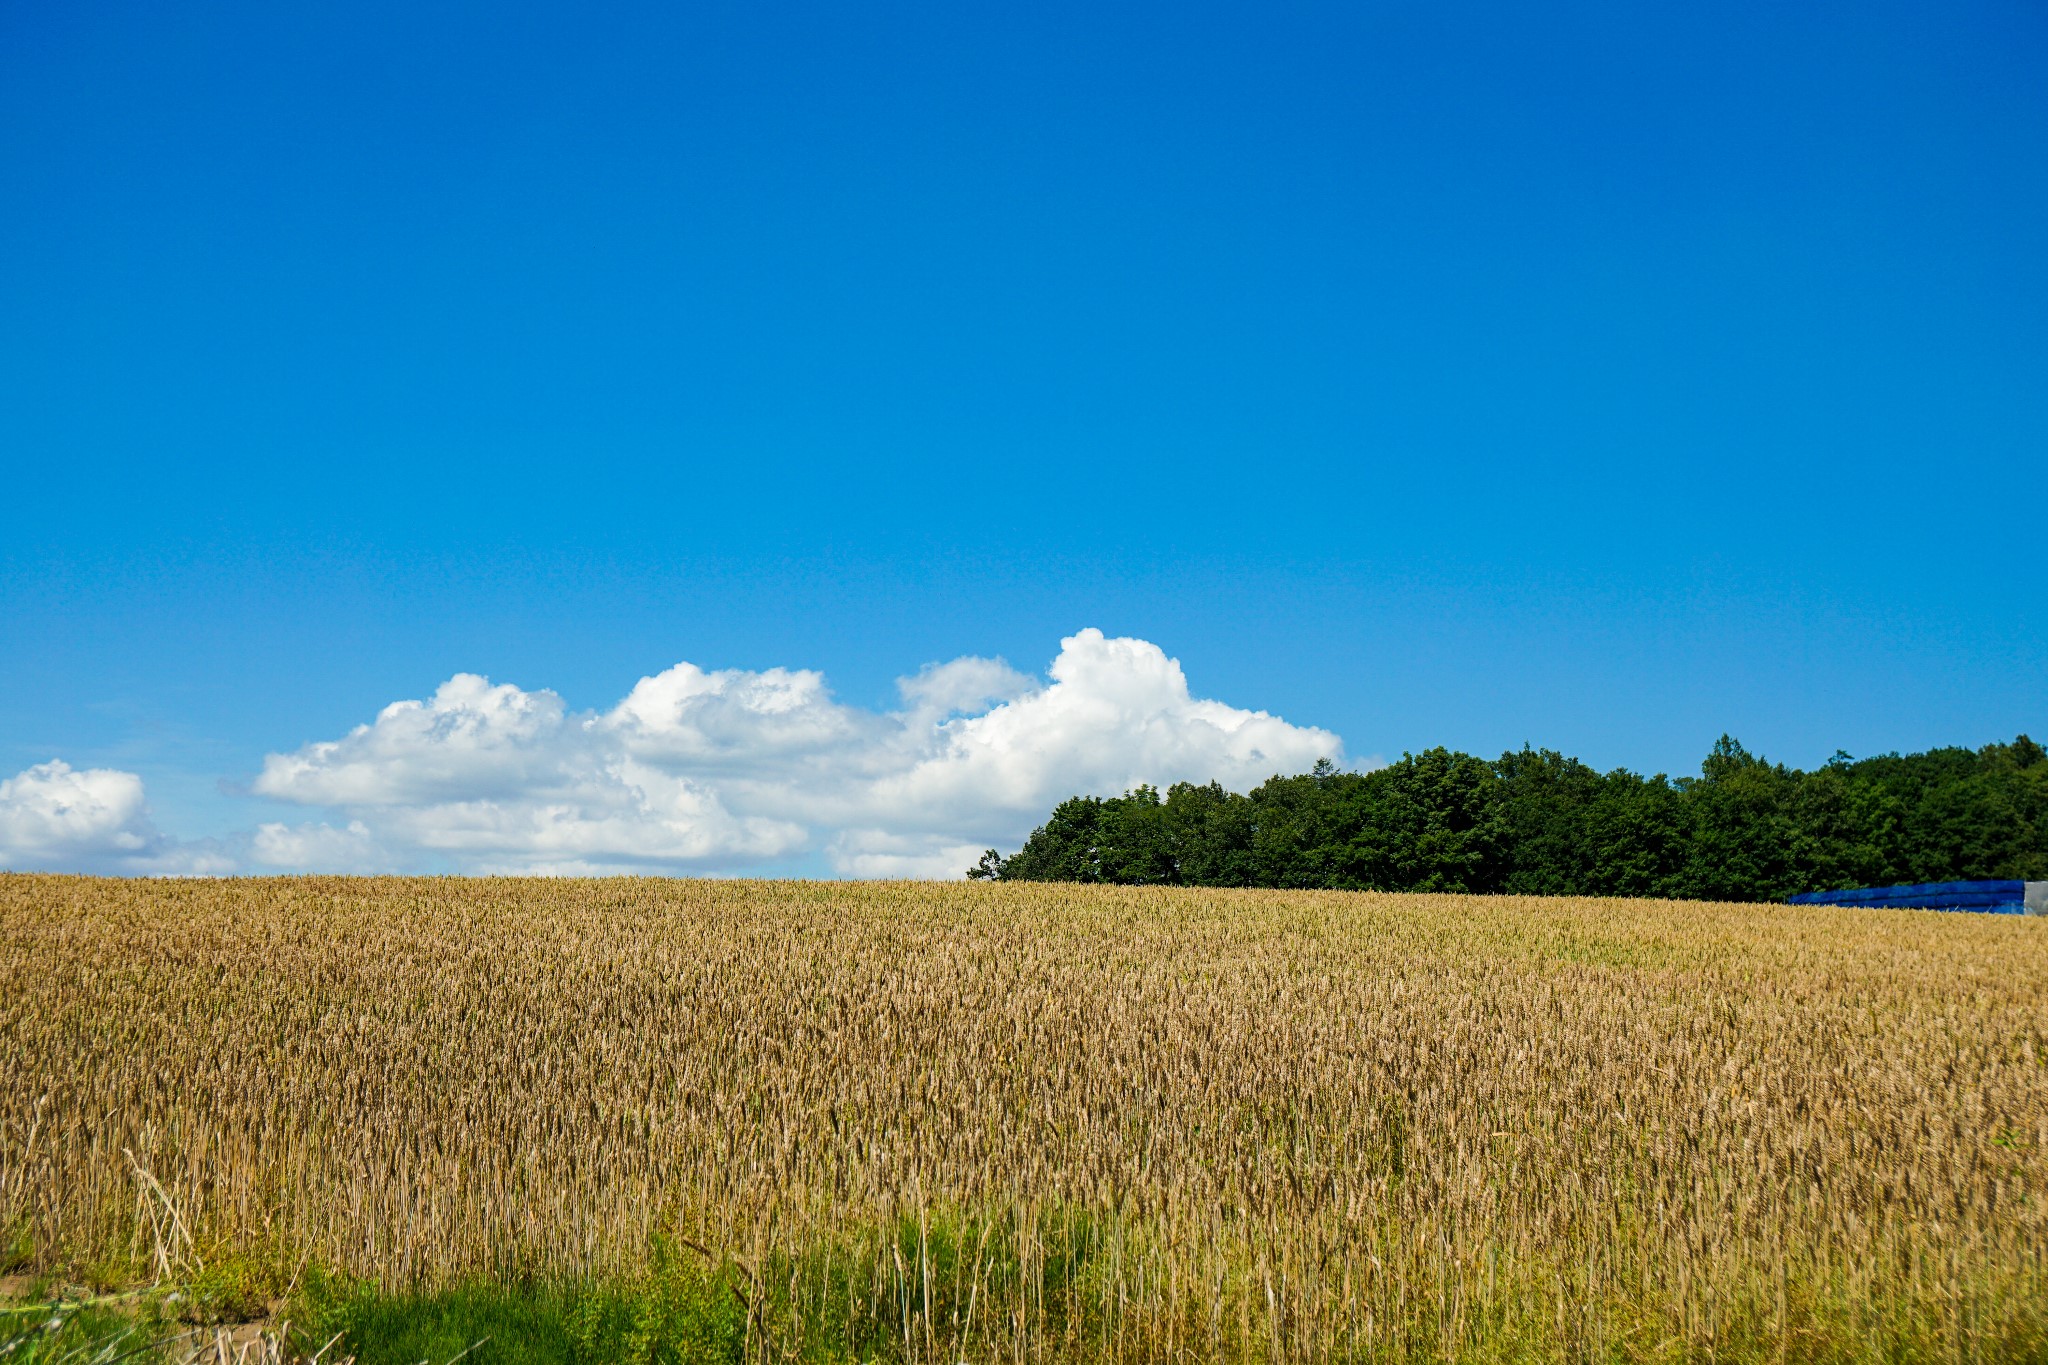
point(1539, 823)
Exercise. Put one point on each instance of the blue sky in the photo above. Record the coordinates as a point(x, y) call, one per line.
point(1602, 377)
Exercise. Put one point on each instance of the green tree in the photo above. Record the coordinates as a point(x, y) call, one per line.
point(1432, 822)
point(1063, 849)
point(1537, 822)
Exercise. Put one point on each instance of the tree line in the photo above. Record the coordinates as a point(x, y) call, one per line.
point(1538, 823)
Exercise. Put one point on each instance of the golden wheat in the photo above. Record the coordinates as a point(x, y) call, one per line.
point(1139, 1123)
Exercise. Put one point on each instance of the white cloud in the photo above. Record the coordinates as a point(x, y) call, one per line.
point(318, 848)
point(698, 770)
point(732, 768)
point(62, 818)
point(54, 808)
point(1118, 713)
point(734, 719)
point(469, 740)
point(882, 853)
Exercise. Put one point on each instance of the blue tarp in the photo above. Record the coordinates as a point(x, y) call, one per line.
point(1990, 898)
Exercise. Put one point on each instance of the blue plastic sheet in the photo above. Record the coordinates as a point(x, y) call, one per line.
point(1987, 897)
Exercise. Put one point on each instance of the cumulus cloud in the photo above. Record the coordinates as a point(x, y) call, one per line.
point(318, 847)
point(62, 818)
point(1118, 713)
point(696, 770)
point(729, 769)
point(469, 740)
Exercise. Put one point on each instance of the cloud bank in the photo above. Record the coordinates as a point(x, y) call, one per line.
point(58, 817)
point(701, 771)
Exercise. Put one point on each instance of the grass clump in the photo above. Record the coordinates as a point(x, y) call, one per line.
point(675, 1313)
point(74, 1332)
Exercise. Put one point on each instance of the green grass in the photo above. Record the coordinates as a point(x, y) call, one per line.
point(655, 1319)
point(946, 1286)
point(69, 1333)
point(516, 1325)
point(679, 1311)
point(675, 1312)
point(688, 1307)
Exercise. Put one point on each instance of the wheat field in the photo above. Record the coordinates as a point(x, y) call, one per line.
point(1022, 1121)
